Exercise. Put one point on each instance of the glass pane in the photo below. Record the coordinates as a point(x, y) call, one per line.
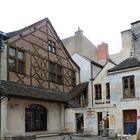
point(53, 49)
point(29, 121)
point(132, 93)
point(73, 74)
point(131, 86)
point(125, 81)
point(53, 44)
point(125, 86)
point(12, 64)
point(126, 93)
point(20, 55)
point(52, 67)
point(59, 70)
point(59, 79)
point(21, 67)
point(73, 78)
point(52, 77)
point(131, 80)
point(12, 52)
point(35, 117)
point(50, 47)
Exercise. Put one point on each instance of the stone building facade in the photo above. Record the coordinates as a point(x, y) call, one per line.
point(108, 87)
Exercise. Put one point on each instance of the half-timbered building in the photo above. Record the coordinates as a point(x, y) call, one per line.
point(39, 79)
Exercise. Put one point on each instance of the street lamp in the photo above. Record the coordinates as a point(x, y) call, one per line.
point(3, 37)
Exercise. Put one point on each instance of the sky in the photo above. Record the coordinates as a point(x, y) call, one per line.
point(100, 20)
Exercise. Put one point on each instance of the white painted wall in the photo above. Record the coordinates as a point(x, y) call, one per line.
point(117, 97)
point(85, 68)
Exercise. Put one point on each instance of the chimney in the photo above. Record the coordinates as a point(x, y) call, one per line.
point(79, 31)
point(102, 51)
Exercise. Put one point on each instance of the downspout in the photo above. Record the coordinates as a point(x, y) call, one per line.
point(92, 84)
point(3, 37)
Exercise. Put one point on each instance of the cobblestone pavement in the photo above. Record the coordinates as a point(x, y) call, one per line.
point(66, 137)
point(92, 138)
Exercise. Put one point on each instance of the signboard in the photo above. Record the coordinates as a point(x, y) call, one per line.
point(112, 119)
point(90, 113)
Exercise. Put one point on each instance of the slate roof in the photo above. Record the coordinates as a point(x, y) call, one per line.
point(74, 92)
point(23, 91)
point(130, 62)
point(77, 90)
point(18, 90)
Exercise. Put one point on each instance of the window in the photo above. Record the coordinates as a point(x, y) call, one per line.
point(107, 91)
point(35, 118)
point(51, 46)
point(52, 73)
point(73, 78)
point(55, 73)
point(128, 87)
point(98, 94)
point(16, 60)
point(59, 74)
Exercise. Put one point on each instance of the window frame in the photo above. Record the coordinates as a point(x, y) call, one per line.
point(98, 92)
point(52, 46)
point(35, 113)
point(107, 91)
point(73, 78)
point(17, 60)
point(128, 84)
point(56, 73)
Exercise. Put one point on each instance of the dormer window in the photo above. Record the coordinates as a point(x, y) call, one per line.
point(51, 46)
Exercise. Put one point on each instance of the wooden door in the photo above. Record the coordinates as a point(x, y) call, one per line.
point(130, 121)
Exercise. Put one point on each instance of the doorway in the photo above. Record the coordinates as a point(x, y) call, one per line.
point(79, 123)
point(100, 123)
point(130, 121)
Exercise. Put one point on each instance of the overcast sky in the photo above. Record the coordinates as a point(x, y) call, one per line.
point(100, 20)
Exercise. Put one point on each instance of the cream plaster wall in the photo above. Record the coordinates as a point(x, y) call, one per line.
point(16, 116)
point(102, 79)
point(70, 118)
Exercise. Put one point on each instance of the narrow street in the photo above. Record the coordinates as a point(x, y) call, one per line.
point(66, 137)
point(92, 138)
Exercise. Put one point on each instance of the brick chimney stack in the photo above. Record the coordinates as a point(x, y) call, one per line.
point(102, 51)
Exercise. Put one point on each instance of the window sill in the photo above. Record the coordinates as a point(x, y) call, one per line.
point(129, 99)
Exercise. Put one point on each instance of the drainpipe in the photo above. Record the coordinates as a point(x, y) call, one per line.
point(92, 84)
point(3, 37)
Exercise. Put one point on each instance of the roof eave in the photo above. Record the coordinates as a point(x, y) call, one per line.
point(123, 70)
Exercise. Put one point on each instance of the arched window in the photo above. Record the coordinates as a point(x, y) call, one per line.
point(35, 118)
